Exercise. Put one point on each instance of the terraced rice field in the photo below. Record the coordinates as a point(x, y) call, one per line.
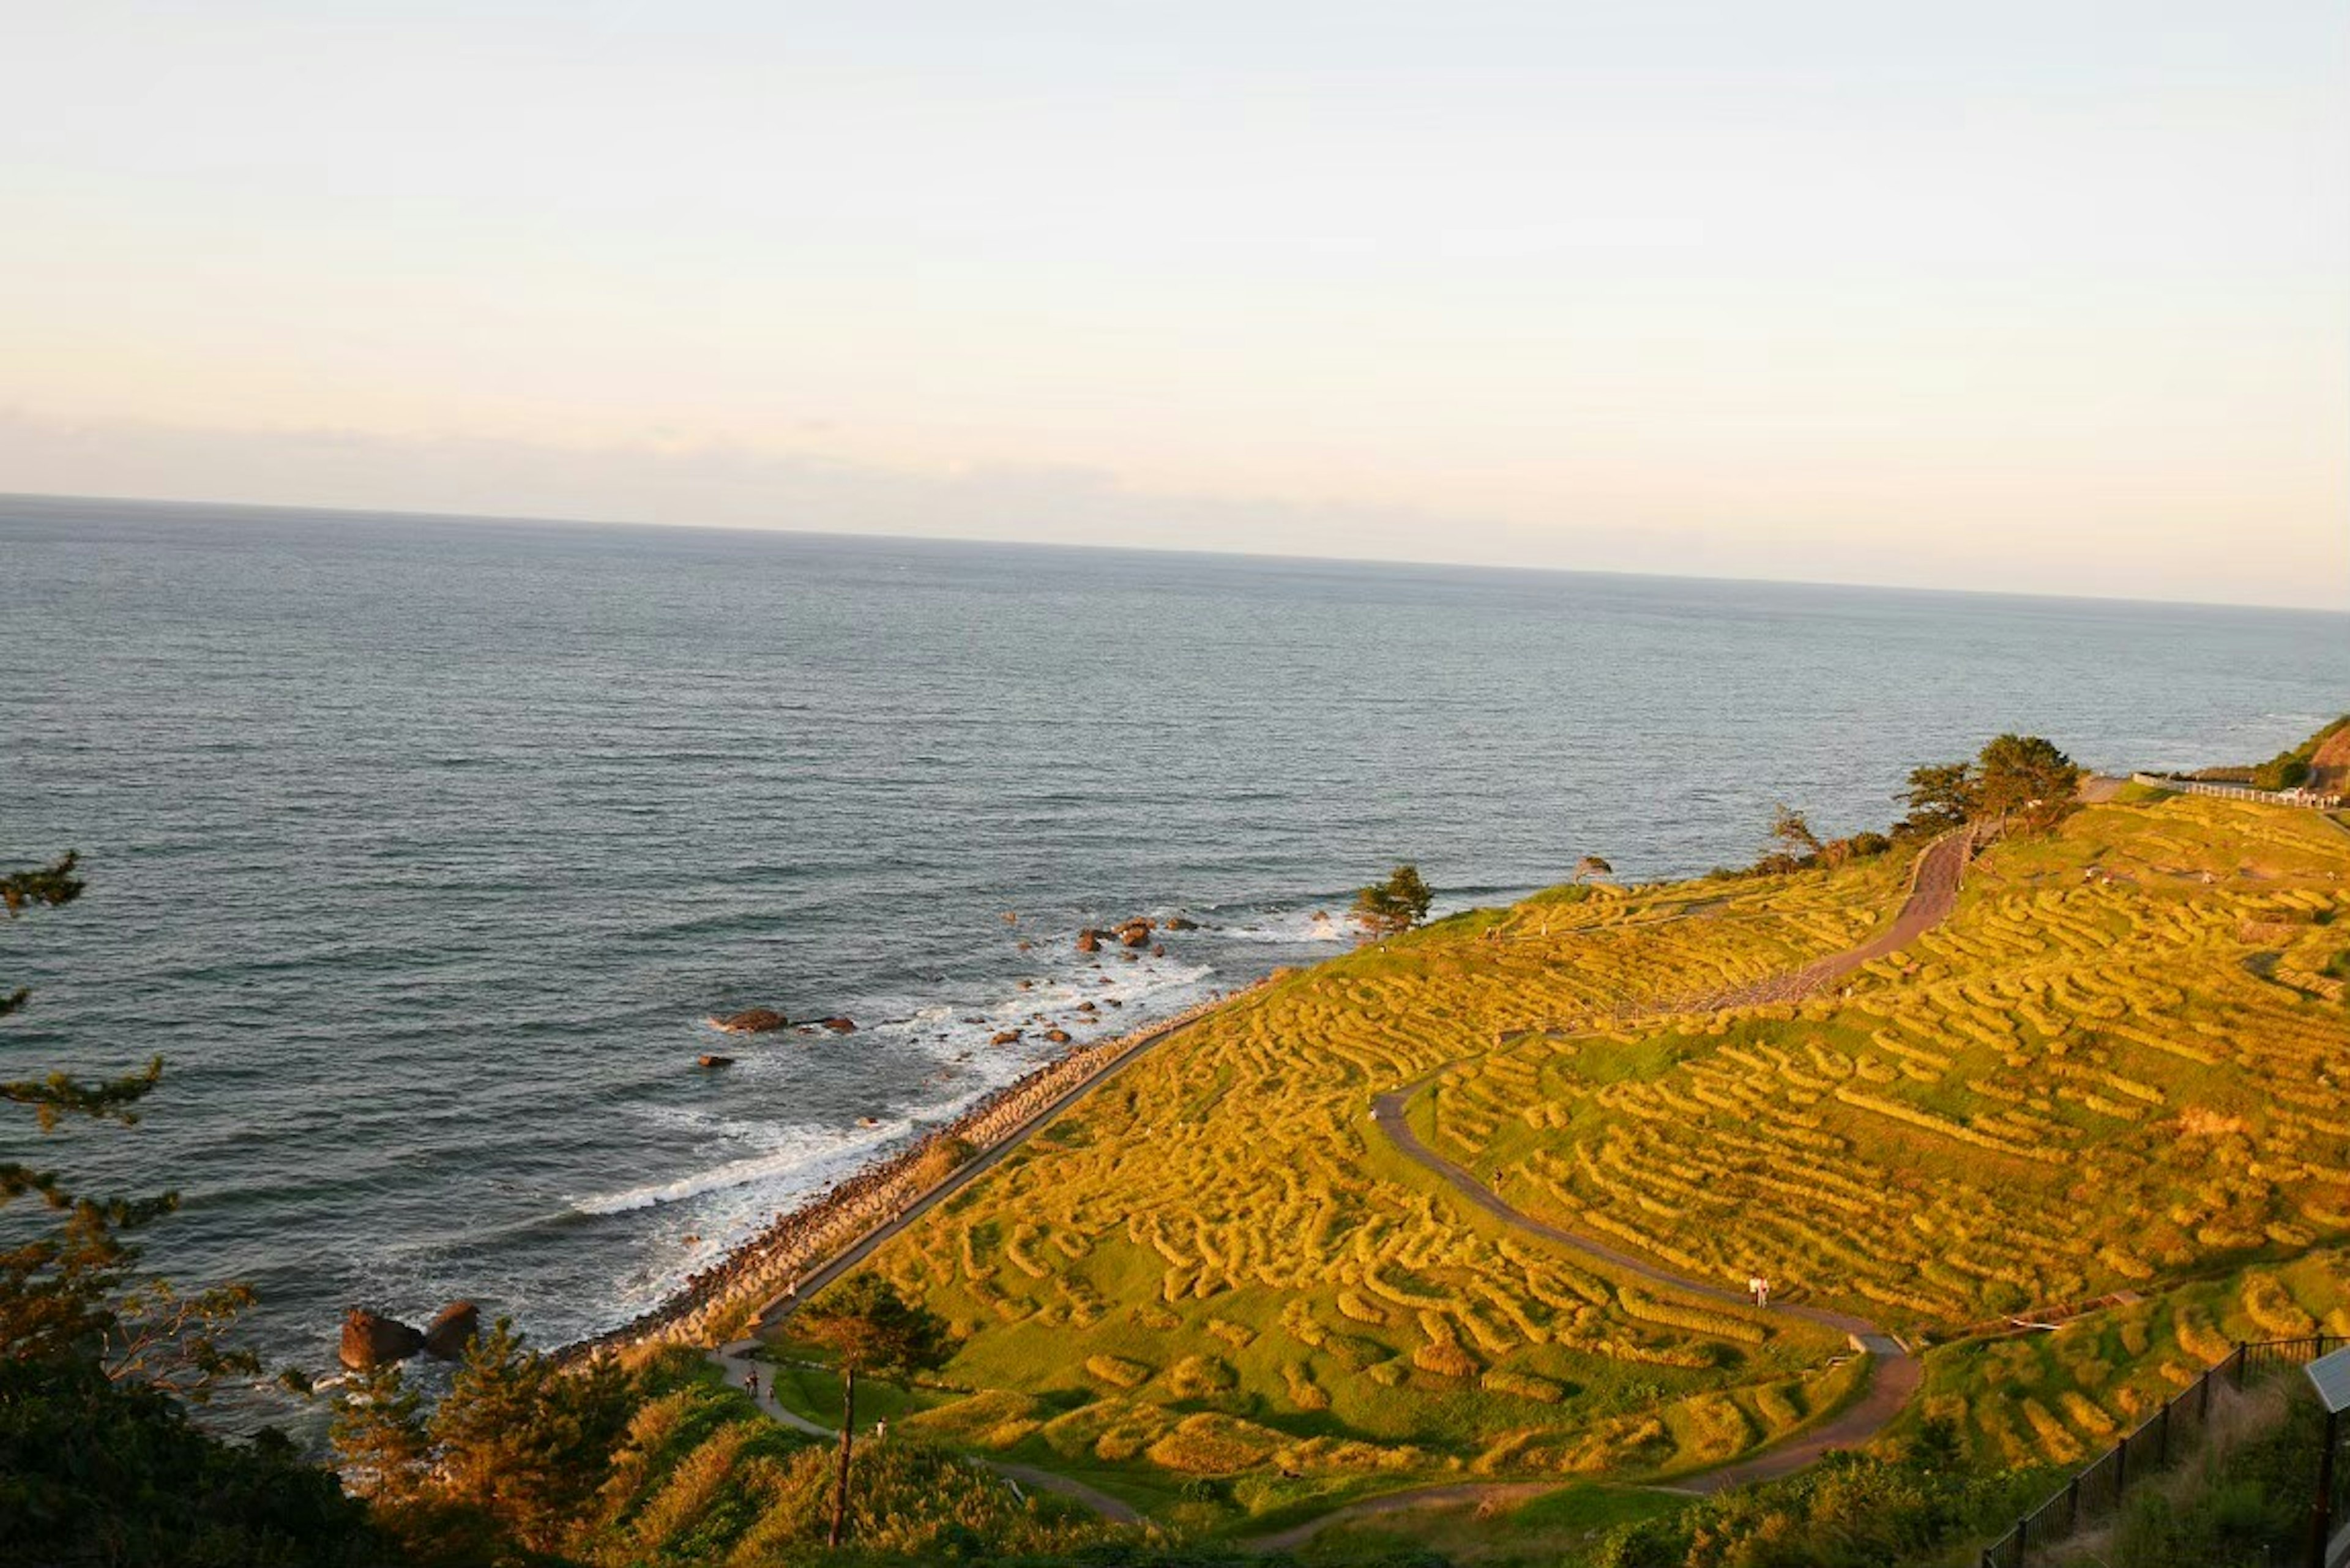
point(2119, 1063)
point(1215, 1264)
point(2115, 1069)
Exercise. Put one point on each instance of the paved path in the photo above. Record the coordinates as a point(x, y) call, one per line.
point(1893, 1372)
point(766, 1324)
point(736, 1360)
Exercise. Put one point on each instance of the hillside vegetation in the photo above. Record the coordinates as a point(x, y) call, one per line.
point(2117, 1064)
point(1216, 1265)
point(2110, 1070)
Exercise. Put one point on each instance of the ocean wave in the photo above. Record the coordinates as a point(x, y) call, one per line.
point(809, 1159)
point(1295, 926)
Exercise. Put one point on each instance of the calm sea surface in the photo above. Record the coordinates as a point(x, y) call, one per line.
point(421, 847)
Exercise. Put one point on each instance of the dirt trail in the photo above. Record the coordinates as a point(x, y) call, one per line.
point(1893, 1372)
point(735, 1361)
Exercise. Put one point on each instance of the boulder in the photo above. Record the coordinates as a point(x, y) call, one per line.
point(1134, 933)
point(370, 1339)
point(1177, 923)
point(1088, 940)
point(452, 1329)
point(841, 1025)
point(711, 1061)
point(750, 1021)
point(1057, 1036)
point(1006, 1037)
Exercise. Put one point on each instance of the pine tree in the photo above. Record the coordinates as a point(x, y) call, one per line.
point(1395, 905)
point(869, 1328)
point(380, 1441)
point(523, 1441)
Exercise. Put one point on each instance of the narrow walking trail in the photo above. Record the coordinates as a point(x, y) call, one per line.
point(1894, 1373)
point(736, 1360)
point(1932, 892)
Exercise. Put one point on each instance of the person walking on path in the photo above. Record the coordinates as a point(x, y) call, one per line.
point(751, 1381)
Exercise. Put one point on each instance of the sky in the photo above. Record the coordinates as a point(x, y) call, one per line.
point(2043, 297)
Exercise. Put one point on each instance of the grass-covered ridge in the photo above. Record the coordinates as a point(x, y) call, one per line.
point(2110, 1070)
point(1216, 1267)
point(2118, 1064)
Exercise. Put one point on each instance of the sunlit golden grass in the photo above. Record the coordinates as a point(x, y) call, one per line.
point(2105, 1073)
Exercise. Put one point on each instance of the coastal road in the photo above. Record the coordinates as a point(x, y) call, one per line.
point(1894, 1370)
point(1932, 892)
point(766, 1324)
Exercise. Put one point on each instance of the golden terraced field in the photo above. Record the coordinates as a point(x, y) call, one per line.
point(1217, 1264)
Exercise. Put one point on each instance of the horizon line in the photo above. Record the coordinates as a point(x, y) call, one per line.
point(547, 521)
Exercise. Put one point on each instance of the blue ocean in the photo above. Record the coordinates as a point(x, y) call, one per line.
point(424, 848)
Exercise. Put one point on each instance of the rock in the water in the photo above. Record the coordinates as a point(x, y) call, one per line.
point(1134, 933)
point(1159, 949)
point(370, 1339)
point(1177, 923)
point(841, 1025)
point(1006, 1037)
point(452, 1329)
point(708, 1061)
point(751, 1021)
point(1088, 940)
point(1057, 1036)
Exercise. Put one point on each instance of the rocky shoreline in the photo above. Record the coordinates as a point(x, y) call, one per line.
point(713, 1304)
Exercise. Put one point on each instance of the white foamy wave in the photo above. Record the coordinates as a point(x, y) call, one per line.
point(808, 1157)
point(1295, 928)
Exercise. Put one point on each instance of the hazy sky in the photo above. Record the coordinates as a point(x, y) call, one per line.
point(2051, 296)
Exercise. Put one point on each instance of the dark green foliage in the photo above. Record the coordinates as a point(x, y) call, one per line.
point(2253, 1511)
point(2026, 778)
point(1851, 1510)
point(2289, 769)
point(1941, 796)
point(53, 885)
point(379, 1435)
point(869, 1327)
point(98, 1463)
point(525, 1443)
point(1395, 905)
point(96, 1472)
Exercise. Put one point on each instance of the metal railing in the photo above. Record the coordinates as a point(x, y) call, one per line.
point(2173, 1432)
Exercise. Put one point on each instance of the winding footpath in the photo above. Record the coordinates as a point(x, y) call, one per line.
point(1932, 893)
point(735, 1361)
point(1895, 1371)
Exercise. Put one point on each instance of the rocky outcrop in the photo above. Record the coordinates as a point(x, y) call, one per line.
point(1134, 933)
point(1089, 940)
point(452, 1329)
point(750, 1021)
point(371, 1339)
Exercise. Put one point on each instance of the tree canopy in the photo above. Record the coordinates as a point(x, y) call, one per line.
point(99, 1461)
point(1395, 905)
